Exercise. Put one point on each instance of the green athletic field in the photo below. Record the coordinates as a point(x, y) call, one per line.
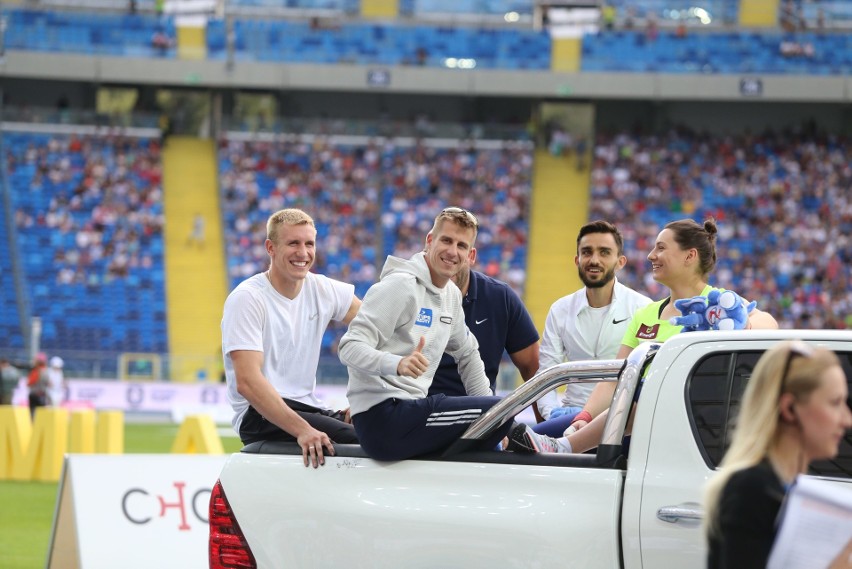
point(26, 508)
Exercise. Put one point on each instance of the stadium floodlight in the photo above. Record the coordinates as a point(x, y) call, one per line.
point(459, 63)
point(702, 15)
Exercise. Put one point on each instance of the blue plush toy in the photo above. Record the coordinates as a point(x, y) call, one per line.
point(719, 310)
point(693, 310)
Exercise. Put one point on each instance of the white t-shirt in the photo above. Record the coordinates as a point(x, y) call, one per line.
point(575, 331)
point(288, 332)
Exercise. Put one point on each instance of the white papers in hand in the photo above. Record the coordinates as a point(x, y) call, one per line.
point(816, 524)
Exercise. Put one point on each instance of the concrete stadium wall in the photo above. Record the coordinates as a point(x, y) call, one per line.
point(408, 80)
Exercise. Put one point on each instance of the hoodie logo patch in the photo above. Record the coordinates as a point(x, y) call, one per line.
point(424, 318)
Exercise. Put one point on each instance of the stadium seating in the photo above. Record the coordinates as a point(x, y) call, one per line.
point(411, 42)
point(88, 33)
point(722, 52)
point(353, 190)
point(380, 43)
point(89, 217)
point(96, 277)
point(780, 199)
point(495, 184)
point(10, 326)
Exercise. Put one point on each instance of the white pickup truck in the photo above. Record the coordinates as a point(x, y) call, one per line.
point(501, 509)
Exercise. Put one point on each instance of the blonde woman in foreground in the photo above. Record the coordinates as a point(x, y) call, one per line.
point(793, 412)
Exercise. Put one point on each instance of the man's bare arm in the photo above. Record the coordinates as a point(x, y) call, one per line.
point(257, 390)
point(353, 310)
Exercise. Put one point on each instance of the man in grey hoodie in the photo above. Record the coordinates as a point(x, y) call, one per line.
point(395, 343)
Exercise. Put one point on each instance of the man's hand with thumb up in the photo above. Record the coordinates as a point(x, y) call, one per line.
point(414, 365)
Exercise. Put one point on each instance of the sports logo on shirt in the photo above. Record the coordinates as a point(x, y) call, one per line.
point(647, 332)
point(424, 318)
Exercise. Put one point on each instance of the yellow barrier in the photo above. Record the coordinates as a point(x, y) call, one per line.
point(109, 437)
point(34, 450)
point(197, 435)
point(81, 437)
point(15, 433)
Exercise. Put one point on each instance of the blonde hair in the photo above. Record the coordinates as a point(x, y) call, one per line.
point(757, 422)
point(457, 215)
point(290, 216)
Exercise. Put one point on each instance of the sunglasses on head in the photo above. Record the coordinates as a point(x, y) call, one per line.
point(797, 349)
point(461, 211)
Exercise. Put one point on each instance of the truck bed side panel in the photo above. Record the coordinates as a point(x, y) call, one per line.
point(356, 512)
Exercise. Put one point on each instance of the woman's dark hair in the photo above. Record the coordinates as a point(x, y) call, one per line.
point(689, 235)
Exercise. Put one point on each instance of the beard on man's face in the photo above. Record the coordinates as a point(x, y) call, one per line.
point(605, 278)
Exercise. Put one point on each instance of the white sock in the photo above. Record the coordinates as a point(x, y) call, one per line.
point(564, 445)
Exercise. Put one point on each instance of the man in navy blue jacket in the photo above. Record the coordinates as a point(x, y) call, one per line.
point(500, 322)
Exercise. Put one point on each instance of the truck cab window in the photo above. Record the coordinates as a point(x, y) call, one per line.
point(715, 389)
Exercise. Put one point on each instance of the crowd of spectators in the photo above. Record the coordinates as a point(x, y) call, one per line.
point(495, 184)
point(88, 210)
point(337, 184)
point(104, 203)
point(373, 198)
point(353, 189)
point(781, 200)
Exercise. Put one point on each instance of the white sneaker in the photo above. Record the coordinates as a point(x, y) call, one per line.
point(523, 439)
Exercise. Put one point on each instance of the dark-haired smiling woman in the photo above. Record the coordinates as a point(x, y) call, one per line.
point(682, 259)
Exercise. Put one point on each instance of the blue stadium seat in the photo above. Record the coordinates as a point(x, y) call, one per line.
point(81, 313)
point(709, 52)
point(109, 33)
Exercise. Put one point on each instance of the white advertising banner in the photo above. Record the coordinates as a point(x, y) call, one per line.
point(135, 395)
point(163, 397)
point(133, 511)
point(179, 400)
point(144, 396)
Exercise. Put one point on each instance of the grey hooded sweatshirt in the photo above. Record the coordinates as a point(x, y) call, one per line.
point(396, 312)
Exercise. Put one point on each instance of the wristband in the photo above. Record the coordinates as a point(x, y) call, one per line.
point(582, 416)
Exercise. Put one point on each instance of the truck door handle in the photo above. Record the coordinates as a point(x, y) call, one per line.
point(689, 511)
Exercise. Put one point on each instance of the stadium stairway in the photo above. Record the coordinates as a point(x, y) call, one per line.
point(196, 284)
point(560, 205)
point(759, 13)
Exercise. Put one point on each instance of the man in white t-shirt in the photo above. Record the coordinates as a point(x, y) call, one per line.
point(587, 324)
point(272, 330)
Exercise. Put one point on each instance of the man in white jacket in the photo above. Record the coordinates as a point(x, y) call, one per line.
point(588, 324)
point(394, 345)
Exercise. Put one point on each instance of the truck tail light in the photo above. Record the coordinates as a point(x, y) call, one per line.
point(228, 546)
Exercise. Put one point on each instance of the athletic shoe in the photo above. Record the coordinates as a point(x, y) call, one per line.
point(523, 439)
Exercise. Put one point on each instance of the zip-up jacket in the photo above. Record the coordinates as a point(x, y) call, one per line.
point(396, 312)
